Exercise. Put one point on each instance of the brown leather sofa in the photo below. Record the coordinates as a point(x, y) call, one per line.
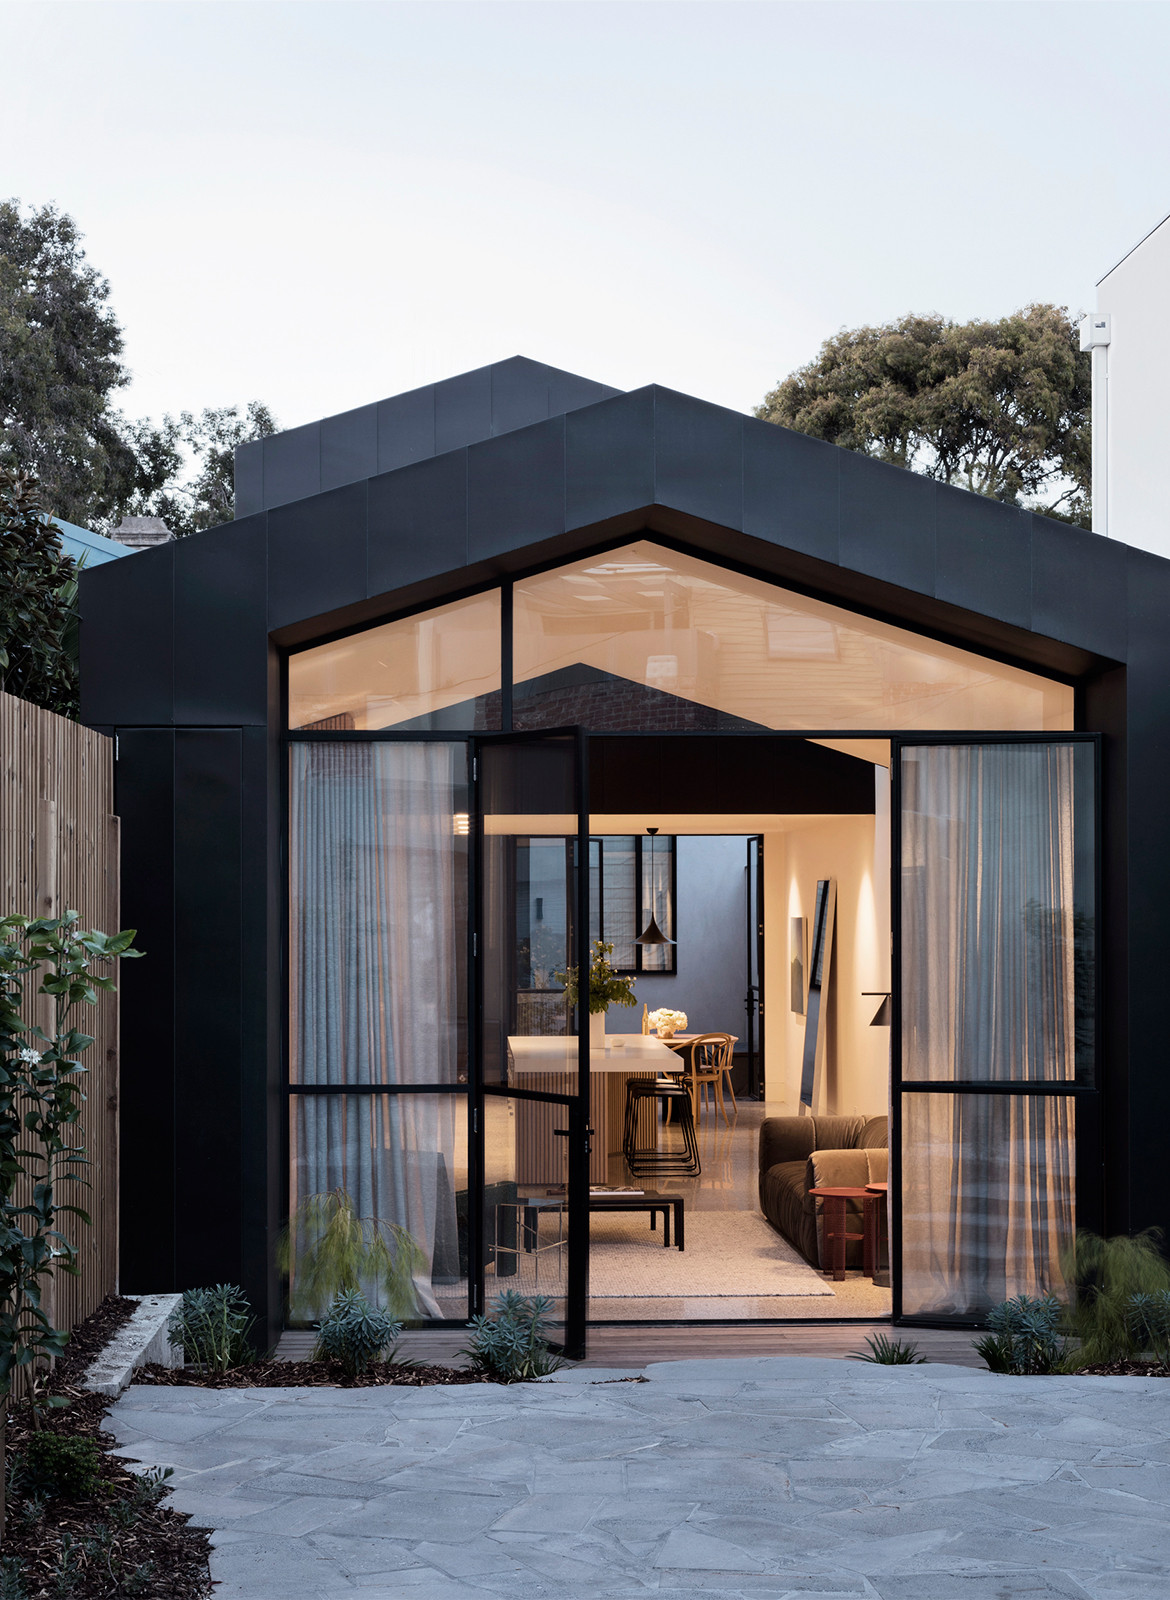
point(802, 1153)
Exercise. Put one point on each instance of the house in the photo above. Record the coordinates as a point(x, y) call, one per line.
point(460, 642)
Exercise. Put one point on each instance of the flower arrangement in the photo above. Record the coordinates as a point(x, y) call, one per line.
point(606, 987)
point(664, 1021)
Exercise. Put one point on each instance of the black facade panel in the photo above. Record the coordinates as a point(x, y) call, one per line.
point(887, 522)
point(262, 1100)
point(463, 410)
point(316, 555)
point(292, 464)
point(144, 794)
point(221, 608)
point(126, 639)
point(519, 394)
point(349, 447)
point(516, 487)
point(984, 556)
point(417, 522)
point(567, 392)
point(609, 459)
point(249, 478)
point(1079, 587)
point(1148, 784)
point(698, 458)
point(791, 490)
point(406, 428)
point(208, 1006)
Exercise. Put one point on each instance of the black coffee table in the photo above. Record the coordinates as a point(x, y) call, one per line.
point(653, 1202)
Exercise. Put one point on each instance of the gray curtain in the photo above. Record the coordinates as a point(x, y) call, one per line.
point(376, 897)
point(989, 994)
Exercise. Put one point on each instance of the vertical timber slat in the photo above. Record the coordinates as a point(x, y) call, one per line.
point(59, 850)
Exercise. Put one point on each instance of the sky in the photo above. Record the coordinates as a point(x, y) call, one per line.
point(318, 205)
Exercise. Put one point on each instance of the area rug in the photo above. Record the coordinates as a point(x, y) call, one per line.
point(733, 1253)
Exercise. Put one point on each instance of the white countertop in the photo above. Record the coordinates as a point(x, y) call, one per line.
point(637, 1052)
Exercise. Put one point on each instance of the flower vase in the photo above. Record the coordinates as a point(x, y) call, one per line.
point(665, 1032)
point(597, 1030)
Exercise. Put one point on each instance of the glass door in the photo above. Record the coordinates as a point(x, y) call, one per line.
point(995, 1017)
point(532, 1081)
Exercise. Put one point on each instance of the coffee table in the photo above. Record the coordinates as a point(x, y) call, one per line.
point(653, 1202)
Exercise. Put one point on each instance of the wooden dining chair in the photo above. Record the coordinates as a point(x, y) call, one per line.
point(710, 1065)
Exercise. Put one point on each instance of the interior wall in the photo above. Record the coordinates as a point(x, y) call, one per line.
point(711, 955)
point(856, 1076)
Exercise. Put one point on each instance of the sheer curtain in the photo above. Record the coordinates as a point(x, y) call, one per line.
point(989, 995)
point(376, 908)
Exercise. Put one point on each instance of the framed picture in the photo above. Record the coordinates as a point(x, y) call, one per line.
point(796, 954)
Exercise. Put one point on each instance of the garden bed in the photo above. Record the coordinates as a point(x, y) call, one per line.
point(1125, 1369)
point(270, 1374)
point(116, 1537)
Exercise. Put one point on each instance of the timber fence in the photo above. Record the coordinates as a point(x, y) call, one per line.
point(59, 852)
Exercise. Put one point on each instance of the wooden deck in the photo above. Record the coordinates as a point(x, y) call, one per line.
point(638, 1344)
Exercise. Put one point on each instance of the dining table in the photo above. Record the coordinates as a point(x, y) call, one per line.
point(549, 1063)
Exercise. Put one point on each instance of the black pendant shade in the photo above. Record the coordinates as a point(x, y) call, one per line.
point(652, 933)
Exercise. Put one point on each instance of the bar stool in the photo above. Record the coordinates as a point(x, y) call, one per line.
point(650, 1159)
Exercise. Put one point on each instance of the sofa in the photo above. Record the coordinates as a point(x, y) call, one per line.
point(802, 1153)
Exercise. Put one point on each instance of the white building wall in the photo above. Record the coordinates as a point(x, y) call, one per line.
point(1131, 385)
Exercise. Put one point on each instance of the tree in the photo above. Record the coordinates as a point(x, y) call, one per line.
point(60, 365)
point(60, 370)
point(203, 495)
point(38, 601)
point(1002, 408)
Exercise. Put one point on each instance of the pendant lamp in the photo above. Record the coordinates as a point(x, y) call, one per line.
point(652, 933)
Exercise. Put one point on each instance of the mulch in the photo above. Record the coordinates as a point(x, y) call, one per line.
point(308, 1375)
point(1126, 1369)
point(120, 1542)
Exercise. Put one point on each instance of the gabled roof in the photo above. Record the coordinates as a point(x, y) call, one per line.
point(407, 427)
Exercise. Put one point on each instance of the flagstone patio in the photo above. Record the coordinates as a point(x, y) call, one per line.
point(757, 1478)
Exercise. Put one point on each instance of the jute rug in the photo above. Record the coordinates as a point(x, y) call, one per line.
point(727, 1253)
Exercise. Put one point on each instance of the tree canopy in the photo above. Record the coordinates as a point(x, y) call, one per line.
point(60, 372)
point(38, 601)
point(1002, 408)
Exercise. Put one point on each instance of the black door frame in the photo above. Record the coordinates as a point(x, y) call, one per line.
point(576, 1107)
point(1087, 1097)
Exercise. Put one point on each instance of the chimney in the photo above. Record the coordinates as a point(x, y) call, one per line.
point(142, 533)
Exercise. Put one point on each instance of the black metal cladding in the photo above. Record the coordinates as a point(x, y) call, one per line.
point(180, 638)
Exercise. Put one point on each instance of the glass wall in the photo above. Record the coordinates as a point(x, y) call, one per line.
point(998, 955)
point(644, 638)
point(378, 985)
point(434, 671)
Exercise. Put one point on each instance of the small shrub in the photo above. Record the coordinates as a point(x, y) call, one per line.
point(213, 1326)
point(57, 1464)
point(1107, 1275)
point(11, 1581)
point(890, 1352)
point(1148, 1320)
point(1024, 1335)
point(327, 1248)
point(509, 1344)
point(355, 1334)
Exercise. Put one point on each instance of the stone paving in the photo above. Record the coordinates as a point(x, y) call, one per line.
point(772, 1478)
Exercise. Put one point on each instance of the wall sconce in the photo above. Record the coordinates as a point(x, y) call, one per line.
point(883, 1016)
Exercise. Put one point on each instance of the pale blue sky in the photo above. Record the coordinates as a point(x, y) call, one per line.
point(320, 204)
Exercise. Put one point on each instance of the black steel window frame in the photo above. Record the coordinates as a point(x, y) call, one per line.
point(642, 912)
point(1087, 1097)
point(1088, 1139)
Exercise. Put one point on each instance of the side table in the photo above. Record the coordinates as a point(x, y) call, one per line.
point(836, 1233)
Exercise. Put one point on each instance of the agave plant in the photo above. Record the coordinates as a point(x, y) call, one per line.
point(328, 1250)
point(890, 1352)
